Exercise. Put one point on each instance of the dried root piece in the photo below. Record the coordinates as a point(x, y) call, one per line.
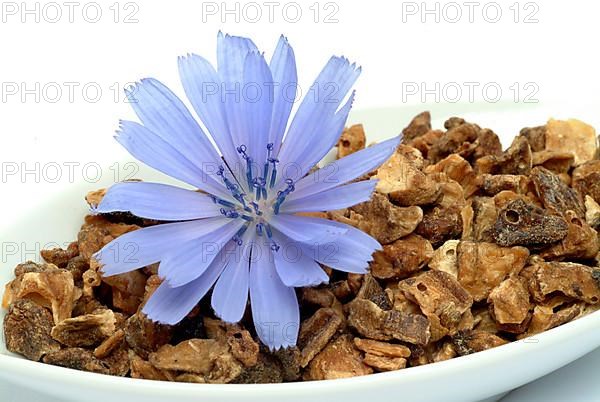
point(493, 184)
point(419, 125)
point(143, 369)
point(441, 298)
point(60, 257)
point(458, 169)
point(372, 322)
point(52, 288)
point(524, 224)
point(581, 241)
point(445, 258)
point(467, 342)
point(509, 302)
point(479, 217)
point(383, 220)
point(536, 136)
point(316, 332)
point(555, 195)
point(352, 139)
point(555, 161)
point(340, 359)
point(27, 330)
point(483, 266)
point(377, 348)
point(551, 314)
point(516, 160)
point(145, 336)
point(592, 212)
point(372, 290)
point(586, 179)
point(206, 357)
point(404, 182)
point(85, 330)
point(572, 136)
point(401, 258)
point(459, 139)
point(83, 359)
point(384, 363)
point(574, 280)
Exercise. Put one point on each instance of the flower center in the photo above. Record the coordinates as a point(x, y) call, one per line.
point(254, 203)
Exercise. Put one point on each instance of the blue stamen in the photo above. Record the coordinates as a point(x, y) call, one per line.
point(259, 229)
point(247, 218)
point(226, 203)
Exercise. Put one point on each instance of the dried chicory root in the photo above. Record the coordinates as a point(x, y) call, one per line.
point(481, 247)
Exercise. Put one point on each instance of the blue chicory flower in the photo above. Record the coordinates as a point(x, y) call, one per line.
point(241, 233)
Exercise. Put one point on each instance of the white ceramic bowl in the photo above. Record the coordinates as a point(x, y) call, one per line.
point(482, 376)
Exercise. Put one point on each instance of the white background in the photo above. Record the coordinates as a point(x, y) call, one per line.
point(546, 50)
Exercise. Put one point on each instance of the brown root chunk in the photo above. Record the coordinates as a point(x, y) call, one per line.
point(401, 258)
point(524, 224)
point(85, 330)
point(60, 257)
point(372, 322)
point(509, 301)
point(401, 178)
point(445, 258)
point(555, 195)
point(581, 241)
point(441, 298)
point(377, 348)
point(483, 266)
point(536, 136)
point(145, 336)
point(52, 288)
point(574, 280)
point(27, 330)
point(586, 179)
point(316, 332)
point(458, 169)
point(572, 136)
point(493, 184)
point(340, 359)
point(353, 139)
point(555, 161)
point(418, 126)
point(206, 357)
point(385, 221)
point(467, 342)
point(384, 363)
point(516, 160)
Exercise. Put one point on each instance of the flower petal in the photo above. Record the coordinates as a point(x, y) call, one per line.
point(274, 306)
point(285, 78)
point(344, 170)
point(317, 109)
point(350, 252)
point(230, 295)
point(203, 87)
point(305, 229)
point(294, 266)
point(148, 245)
point(231, 55)
point(333, 199)
point(149, 148)
point(250, 119)
point(163, 113)
point(189, 260)
point(169, 305)
point(158, 201)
